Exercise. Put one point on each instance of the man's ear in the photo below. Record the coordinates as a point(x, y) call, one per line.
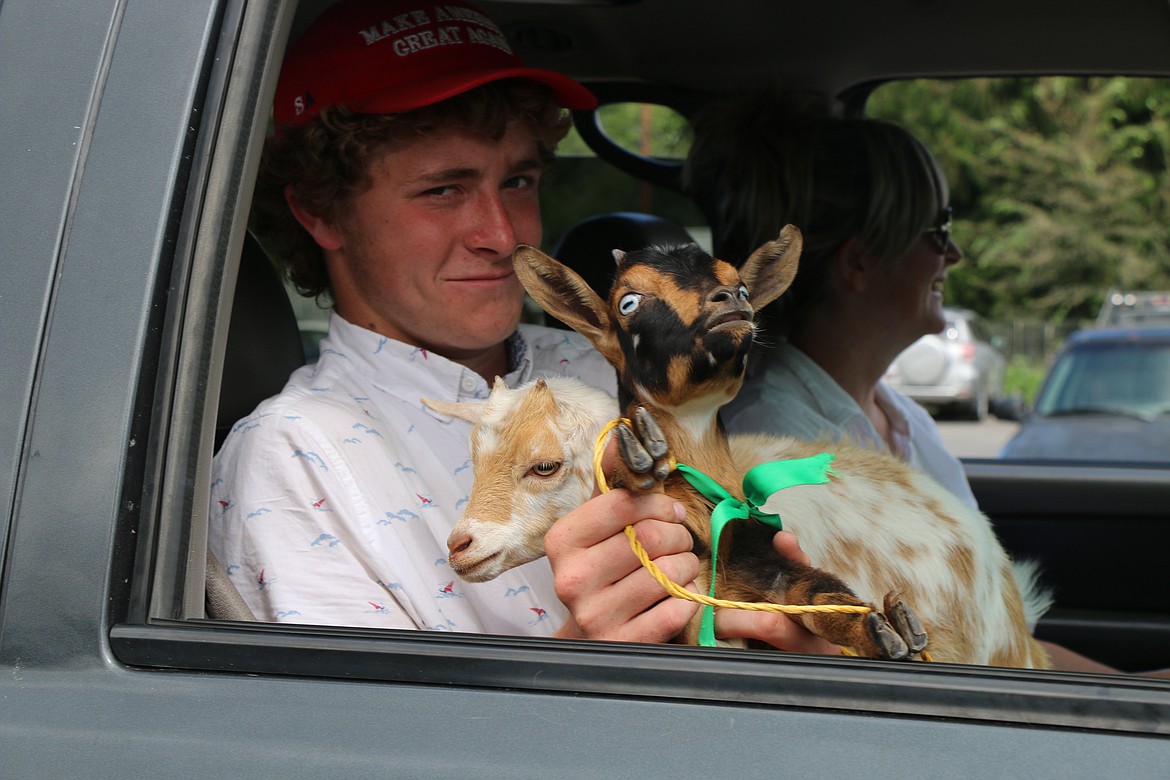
point(323, 232)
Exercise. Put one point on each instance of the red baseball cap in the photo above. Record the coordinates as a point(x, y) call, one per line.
point(390, 56)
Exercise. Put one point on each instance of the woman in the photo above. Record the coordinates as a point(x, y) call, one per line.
point(874, 210)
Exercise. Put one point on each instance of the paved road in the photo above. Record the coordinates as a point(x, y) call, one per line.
point(976, 439)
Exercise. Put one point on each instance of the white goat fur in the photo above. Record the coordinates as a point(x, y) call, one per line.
point(881, 526)
point(512, 505)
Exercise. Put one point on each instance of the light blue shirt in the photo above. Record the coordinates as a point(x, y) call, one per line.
point(788, 394)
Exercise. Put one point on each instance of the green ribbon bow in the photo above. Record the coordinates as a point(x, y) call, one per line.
point(758, 485)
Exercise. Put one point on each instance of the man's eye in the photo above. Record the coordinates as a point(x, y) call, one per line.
point(520, 182)
point(545, 468)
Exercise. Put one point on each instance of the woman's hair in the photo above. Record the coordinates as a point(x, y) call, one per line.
point(329, 160)
point(762, 161)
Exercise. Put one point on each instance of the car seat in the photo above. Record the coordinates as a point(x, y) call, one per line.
point(264, 344)
point(588, 246)
point(263, 347)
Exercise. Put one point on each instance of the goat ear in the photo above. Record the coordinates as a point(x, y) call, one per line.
point(464, 410)
point(565, 295)
point(771, 268)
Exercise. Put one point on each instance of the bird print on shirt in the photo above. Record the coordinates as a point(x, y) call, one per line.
point(325, 539)
point(363, 428)
point(311, 457)
point(402, 515)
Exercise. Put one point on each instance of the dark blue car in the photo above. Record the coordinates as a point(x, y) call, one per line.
point(1106, 398)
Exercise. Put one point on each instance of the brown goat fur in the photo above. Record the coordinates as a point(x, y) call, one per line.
point(678, 327)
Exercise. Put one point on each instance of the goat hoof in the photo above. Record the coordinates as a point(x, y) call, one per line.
point(651, 435)
point(907, 624)
point(889, 644)
point(632, 451)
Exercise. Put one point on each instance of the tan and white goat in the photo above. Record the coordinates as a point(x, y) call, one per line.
point(677, 328)
point(532, 455)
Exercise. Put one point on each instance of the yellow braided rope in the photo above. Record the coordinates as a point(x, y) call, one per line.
point(677, 590)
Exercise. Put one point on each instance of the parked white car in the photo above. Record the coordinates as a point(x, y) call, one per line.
point(957, 369)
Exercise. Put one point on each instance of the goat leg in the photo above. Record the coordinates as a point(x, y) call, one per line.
point(905, 622)
point(654, 440)
point(869, 634)
point(645, 455)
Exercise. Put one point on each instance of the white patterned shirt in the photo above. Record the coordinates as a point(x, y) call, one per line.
point(789, 394)
point(332, 502)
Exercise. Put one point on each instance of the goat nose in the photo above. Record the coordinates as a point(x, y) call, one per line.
point(458, 542)
point(723, 295)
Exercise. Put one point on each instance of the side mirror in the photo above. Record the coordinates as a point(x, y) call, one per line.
point(1012, 409)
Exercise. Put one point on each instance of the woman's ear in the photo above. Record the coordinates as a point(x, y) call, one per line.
point(322, 231)
point(855, 264)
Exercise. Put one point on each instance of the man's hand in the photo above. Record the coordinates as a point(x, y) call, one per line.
point(608, 593)
point(774, 628)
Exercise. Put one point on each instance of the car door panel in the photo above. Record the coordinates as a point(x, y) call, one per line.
point(1100, 536)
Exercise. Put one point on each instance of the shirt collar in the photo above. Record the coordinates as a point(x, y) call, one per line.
point(411, 373)
point(823, 394)
point(900, 442)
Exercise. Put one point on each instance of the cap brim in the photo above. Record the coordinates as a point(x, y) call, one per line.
point(425, 92)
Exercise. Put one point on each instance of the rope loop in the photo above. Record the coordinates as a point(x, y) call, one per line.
point(677, 590)
point(709, 601)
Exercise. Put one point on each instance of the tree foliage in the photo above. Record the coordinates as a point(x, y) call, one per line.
point(1060, 186)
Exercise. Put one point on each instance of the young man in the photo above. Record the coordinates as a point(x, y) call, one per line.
point(410, 143)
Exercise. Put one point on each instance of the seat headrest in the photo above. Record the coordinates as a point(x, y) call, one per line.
point(588, 246)
point(264, 344)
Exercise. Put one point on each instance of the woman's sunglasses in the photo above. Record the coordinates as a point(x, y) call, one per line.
point(940, 232)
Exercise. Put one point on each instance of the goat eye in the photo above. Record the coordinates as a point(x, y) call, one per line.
point(629, 302)
point(743, 292)
point(545, 468)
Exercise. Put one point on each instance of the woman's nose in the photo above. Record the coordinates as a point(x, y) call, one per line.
point(954, 252)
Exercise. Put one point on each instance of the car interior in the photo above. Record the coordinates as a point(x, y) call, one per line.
point(1098, 532)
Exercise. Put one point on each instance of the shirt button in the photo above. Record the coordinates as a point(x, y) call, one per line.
point(469, 385)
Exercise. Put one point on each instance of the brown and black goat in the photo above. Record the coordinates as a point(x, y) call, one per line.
point(678, 327)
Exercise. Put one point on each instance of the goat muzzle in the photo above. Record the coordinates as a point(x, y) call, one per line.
point(729, 319)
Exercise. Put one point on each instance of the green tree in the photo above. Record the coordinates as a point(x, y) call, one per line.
point(1060, 186)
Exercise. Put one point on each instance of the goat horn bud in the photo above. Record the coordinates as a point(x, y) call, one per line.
point(618, 256)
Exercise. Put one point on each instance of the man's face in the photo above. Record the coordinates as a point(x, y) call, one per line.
point(424, 254)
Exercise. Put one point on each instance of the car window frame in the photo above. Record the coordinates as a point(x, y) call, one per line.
point(165, 626)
